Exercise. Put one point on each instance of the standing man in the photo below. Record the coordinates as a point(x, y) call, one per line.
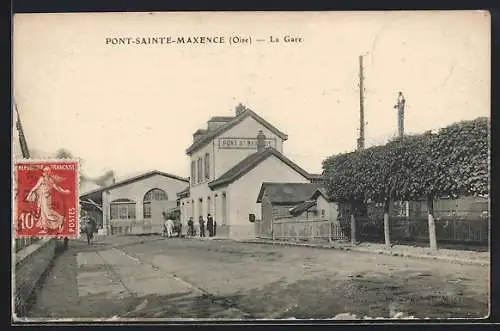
point(90, 228)
point(202, 226)
point(170, 226)
point(210, 225)
point(215, 228)
point(190, 227)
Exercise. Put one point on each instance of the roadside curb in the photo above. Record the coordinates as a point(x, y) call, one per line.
point(374, 251)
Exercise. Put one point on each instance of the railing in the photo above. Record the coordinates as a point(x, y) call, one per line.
point(25, 242)
point(452, 228)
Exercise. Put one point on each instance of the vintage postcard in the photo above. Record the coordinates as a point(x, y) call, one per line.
point(230, 166)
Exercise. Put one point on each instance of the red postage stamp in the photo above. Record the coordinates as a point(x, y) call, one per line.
point(46, 198)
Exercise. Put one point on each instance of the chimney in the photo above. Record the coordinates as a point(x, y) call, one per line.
point(261, 141)
point(239, 109)
point(198, 134)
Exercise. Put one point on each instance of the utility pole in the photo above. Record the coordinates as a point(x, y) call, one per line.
point(400, 106)
point(361, 139)
point(22, 139)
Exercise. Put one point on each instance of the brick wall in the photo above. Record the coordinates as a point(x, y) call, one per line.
point(31, 263)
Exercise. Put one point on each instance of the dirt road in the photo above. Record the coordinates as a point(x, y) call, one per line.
point(153, 277)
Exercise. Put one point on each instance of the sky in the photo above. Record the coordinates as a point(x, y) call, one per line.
point(133, 108)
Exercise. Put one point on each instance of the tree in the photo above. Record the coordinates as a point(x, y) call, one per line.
point(453, 162)
point(63, 154)
point(342, 173)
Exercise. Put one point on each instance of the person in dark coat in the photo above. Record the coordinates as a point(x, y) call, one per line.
point(210, 225)
point(202, 226)
point(191, 227)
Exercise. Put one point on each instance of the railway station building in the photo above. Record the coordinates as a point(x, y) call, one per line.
point(134, 205)
point(229, 161)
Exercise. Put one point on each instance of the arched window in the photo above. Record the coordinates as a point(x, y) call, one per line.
point(122, 209)
point(152, 195)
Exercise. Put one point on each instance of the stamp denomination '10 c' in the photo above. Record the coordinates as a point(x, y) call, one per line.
point(46, 198)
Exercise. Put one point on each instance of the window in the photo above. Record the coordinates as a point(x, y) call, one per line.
point(122, 209)
point(200, 171)
point(207, 166)
point(322, 213)
point(193, 172)
point(152, 195)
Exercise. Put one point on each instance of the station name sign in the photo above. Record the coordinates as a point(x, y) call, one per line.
point(243, 143)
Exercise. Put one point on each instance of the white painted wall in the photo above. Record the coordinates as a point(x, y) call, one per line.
point(221, 160)
point(136, 190)
point(243, 193)
point(330, 208)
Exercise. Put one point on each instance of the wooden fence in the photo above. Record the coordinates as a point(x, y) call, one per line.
point(452, 229)
point(303, 229)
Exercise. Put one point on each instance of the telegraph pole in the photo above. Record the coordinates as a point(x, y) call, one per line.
point(22, 138)
point(361, 139)
point(400, 106)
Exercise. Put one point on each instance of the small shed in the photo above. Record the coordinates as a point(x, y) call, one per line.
point(277, 199)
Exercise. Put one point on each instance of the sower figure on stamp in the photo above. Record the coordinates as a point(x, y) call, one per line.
point(41, 193)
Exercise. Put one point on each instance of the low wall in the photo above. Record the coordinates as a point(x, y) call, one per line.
point(31, 262)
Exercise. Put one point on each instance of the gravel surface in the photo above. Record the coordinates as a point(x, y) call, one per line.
point(220, 279)
point(470, 256)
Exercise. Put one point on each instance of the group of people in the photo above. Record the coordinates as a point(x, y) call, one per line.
point(190, 229)
point(211, 227)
